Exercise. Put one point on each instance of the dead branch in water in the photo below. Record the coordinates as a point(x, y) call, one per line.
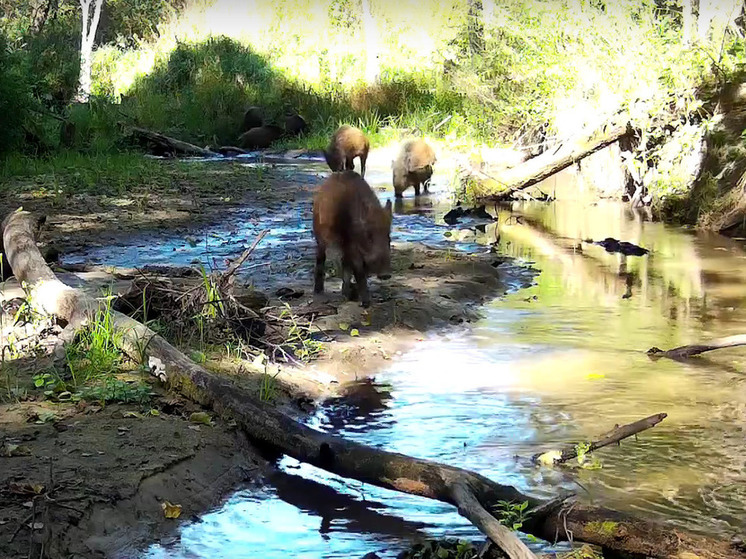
point(695, 349)
point(473, 494)
point(613, 436)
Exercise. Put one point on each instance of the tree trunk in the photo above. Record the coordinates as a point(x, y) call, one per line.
point(689, 17)
point(171, 145)
point(474, 27)
point(473, 494)
point(88, 36)
point(370, 31)
point(550, 162)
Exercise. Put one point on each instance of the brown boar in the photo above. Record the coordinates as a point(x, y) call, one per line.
point(252, 118)
point(346, 144)
point(347, 215)
point(259, 138)
point(295, 125)
point(413, 167)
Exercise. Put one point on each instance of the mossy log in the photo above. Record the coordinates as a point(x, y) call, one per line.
point(474, 494)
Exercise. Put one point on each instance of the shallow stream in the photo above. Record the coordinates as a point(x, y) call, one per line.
point(558, 362)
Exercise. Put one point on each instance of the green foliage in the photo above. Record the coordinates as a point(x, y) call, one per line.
point(299, 339)
point(511, 515)
point(15, 97)
point(585, 460)
point(441, 549)
point(93, 361)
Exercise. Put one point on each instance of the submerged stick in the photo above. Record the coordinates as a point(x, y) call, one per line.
point(613, 436)
point(685, 351)
point(264, 424)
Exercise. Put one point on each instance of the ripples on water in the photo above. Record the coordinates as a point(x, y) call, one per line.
point(556, 363)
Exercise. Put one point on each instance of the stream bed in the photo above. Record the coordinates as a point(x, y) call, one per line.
point(554, 363)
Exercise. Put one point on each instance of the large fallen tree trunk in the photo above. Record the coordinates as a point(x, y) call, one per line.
point(171, 145)
point(550, 162)
point(686, 351)
point(473, 494)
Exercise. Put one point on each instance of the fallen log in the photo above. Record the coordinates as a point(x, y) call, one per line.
point(613, 436)
point(171, 145)
point(548, 163)
point(473, 494)
point(131, 273)
point(686, 351)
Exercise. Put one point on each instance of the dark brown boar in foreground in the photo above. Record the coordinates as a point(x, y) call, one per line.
point(259, 138)
point(252, 118)
point(347, 214)
point(347, 143)
point(413, 166)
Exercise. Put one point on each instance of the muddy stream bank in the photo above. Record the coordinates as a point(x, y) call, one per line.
point(555, 355)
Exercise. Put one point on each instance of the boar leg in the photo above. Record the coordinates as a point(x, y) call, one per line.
point(417, 188)
point(361, 281)
point(362, 165)
point(349, 164)
point(320, 269)
point(347, 289)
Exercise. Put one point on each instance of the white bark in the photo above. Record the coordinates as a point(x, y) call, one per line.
point(372, 67)
point(88, 36)
point(687, 9)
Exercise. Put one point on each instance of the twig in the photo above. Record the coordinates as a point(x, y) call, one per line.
point(233, 268)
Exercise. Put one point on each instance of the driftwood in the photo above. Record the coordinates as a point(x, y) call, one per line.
point(473, 494)
point(171, 145)
point(548, 163)
point(613, 436)
point(695, 349)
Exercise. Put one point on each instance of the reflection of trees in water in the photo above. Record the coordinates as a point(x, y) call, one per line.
point(362, 408)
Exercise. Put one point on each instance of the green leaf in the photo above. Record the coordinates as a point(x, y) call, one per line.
point(38, 382)
point(344, 326)
point(354, 332)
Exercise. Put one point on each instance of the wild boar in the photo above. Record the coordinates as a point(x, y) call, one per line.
point(413, 167)
point(347, 215)
point(252, 118)
point(346, 144)
point(260, 137)
point(295, 125)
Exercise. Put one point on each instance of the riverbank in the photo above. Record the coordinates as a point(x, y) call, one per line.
point(89, 478)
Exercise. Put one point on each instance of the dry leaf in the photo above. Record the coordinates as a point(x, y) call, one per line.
point(129, 414)
point(200, 417)
point(17, 450)
point(171, 511)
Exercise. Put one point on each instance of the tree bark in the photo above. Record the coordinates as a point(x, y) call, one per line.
point(686, 351)
point(550, 162)
point(88, 36)
point(472, 493)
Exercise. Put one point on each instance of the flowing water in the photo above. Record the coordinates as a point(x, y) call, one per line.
point(558, 362)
